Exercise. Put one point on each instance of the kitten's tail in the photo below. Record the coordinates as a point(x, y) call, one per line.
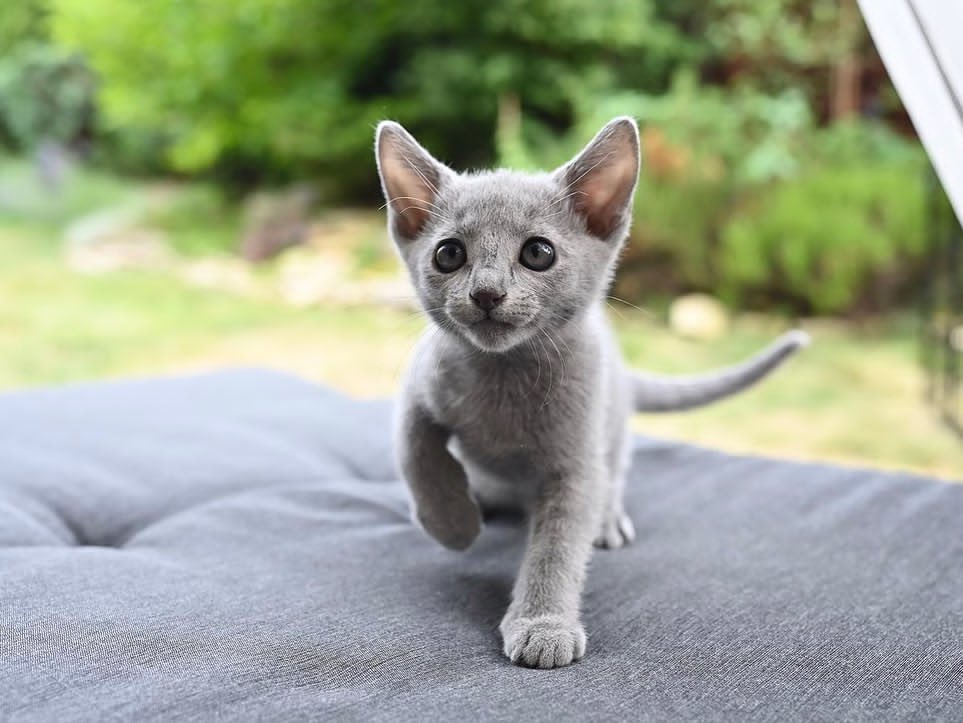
point(656, 393)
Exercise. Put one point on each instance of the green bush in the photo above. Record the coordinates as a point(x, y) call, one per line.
point(739, 133)
point(743, 197)
point(846, 233)
point(22, 21)
point(46, 94)
point(676, 224)
point(702, 148)
point(829, 241)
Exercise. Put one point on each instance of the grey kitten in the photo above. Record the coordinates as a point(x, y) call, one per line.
point(517, 397)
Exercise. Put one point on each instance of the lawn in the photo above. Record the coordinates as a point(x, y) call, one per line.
point(854, 397)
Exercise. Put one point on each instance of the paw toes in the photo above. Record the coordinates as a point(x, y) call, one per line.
point(549, 656)
point(627, 529)
point(543, 642)
point(617, 531)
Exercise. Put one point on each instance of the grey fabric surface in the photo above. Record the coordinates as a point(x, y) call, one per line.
point(235, 546)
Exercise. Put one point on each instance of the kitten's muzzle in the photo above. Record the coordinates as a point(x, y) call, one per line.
point(487, 299)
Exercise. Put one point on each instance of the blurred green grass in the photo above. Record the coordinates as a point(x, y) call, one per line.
point(855, 396)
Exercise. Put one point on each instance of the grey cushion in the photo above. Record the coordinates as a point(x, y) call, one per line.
point(237, 546)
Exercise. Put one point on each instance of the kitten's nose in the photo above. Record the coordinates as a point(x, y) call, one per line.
point(486, 299)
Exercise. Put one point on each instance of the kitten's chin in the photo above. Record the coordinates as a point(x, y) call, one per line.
point(495, 336)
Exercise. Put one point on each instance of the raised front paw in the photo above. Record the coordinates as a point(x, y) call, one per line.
point(544, 641)
point(617, 531)
point(455, 524)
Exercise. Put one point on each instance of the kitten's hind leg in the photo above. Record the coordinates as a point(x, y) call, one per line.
point(616, 529)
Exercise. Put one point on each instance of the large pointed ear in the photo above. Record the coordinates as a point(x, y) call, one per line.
point(410, 178)
point(601, 179)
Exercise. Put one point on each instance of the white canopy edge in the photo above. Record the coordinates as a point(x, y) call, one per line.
point(921, 44)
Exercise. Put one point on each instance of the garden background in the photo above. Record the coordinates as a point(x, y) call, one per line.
point(187, 185)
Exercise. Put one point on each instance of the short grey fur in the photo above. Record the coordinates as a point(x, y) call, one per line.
point(517, 395)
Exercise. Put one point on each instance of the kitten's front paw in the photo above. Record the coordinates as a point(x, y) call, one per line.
point(455, 525)
point(617, 531)
point(544, 641)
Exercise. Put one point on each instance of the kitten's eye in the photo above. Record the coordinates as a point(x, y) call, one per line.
point(537, 254)
point(450, 255)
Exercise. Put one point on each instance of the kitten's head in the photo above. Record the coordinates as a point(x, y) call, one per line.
point(497, 257)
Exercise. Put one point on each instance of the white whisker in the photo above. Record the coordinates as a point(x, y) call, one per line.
point(423, 176)
point(422, 208)
point(647, 312)
point(410, 198)
point(576, 180)
point(551, 371)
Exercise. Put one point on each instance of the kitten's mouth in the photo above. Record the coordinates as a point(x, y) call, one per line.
point(493, 335)
point(489, 324)
point(489, 333)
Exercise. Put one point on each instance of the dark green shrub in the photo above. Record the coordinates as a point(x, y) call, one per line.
point(846, 233)
point(46, 94)
point(827, 240)
point(676, 222)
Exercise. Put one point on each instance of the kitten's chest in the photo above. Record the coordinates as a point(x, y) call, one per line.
point(508, 412)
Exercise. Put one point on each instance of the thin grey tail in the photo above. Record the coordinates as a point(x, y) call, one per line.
point(657, 393)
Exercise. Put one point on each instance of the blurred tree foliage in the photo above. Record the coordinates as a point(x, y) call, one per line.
point(22, 21)
point(295, 87)
point(772, 170)
point(46, 95)
point(744, 195)
point(45, 92)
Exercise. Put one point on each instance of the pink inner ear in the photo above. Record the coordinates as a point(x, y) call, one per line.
point(410, 192)
point(601, 179)
point(604, 194)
